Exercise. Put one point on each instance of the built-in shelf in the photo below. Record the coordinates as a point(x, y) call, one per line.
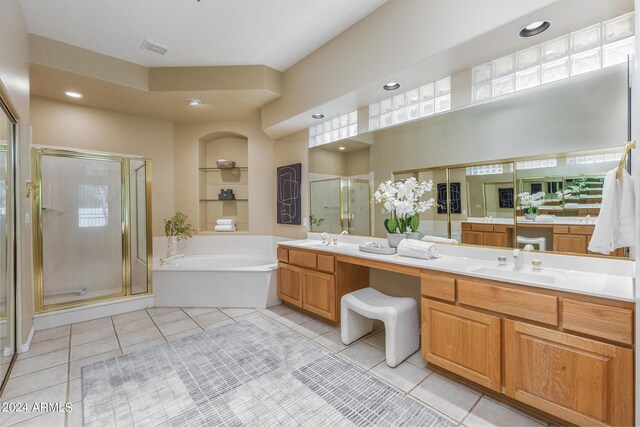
point(218, 200)
point(240, 169)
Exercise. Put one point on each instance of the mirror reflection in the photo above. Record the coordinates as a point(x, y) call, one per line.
point(340, 189)
point(538, 197)
point(569, 196)
point(487, 204)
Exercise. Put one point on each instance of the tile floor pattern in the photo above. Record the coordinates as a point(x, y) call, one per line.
point(255, 372)
point(50, 371)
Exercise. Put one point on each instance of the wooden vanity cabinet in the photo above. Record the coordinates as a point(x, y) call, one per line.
point(580, 380)
point(494, 235)
point(568, 355)
point(290, 284)
point(462, 341)
point(310, 281)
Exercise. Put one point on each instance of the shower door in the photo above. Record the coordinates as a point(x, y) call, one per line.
point(7, 244)
point(82, 224)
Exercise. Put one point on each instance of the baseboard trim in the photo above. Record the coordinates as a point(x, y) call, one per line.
point(26, 346)
point(92, 311)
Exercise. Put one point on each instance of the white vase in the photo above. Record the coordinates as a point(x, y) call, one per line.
point(172, 245)
point(394, 239)
point(415, 235)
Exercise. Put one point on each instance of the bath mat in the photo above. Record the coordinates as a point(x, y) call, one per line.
point(254, 372)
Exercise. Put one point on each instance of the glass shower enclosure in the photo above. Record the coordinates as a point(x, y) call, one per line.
point(92, 239)
point(340, 204)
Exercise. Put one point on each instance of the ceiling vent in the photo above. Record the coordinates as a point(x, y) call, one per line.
point(153, 47)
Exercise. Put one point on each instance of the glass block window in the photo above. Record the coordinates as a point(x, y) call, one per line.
point(594, 158)
point(432, 98)
point(342, 127)
point(601, 45)
point(536, 164)
point(488, 169)
point(93, 206)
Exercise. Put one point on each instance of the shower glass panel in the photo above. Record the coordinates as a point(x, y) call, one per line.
point(81, 228)
point(340, 204)
point(140, 261)
point(359, 202)
point(326, 206)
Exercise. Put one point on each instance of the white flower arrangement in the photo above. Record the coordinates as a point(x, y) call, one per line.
point(561, 195)
point(531, 202)
point(402, 200)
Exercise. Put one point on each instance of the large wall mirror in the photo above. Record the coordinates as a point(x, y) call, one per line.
point(555, 142)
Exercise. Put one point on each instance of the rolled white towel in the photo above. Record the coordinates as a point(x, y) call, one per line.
point(225, 228)
point(417, 249)
point(226, 221)
point(438, 239)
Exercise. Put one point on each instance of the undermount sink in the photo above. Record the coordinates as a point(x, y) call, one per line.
point(549, 277)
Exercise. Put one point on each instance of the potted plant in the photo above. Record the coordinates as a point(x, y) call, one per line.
point(177, 228)
point(402, 200)
point(530, 203)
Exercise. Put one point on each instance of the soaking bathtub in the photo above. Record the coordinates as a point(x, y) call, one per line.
point(217, 280)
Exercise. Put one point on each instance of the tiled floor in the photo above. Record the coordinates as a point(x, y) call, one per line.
point(50, 371)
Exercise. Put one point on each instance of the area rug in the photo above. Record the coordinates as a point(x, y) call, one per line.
point(254, 373)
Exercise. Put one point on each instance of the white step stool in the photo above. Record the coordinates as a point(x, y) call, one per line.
point(400, 317)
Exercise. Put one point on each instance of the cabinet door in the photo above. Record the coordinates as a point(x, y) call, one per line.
point(319, 293)
point(570, 243)
point(580, 380)
point(462, 341)
point(494, 239)
point(472, 237)
point(289, 284)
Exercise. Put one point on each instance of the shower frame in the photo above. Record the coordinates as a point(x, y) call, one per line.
point(38, 260)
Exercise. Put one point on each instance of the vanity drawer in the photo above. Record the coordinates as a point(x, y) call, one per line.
point(436, 285)
point(611, 323)
point(561, 229)
point(302, 258)
point(514, 302)
point(326, 263)
point(580, 229)
point(499, 228)
point(482, 227)
point(466, 226)
point(283, 254)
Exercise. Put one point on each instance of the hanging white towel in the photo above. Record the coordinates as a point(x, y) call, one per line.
point(226, 221)
point(225, 228)
point(438, 239)
point(616, 224)
point(417, 249)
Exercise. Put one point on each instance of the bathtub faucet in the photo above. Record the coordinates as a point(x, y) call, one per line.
point(167, 260)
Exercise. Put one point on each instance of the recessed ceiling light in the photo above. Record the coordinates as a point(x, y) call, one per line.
point(342, 148)
point(193, 101)
point(73, 94)
point(317, 116)
point(391, 86)
point(534, 28)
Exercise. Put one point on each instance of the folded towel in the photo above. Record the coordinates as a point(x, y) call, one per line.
point(226, 221)
point(544, 218)
point(417, 249)
point(616, 225)
point(438, 239)
point(223, 228)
